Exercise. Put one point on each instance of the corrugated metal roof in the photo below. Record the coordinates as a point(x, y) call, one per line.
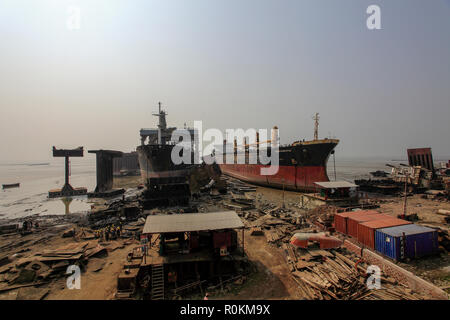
point(336, 184)
point(367, 216)
point(186, 222)
point(356, 213)
point(385, 223)
point(407, 229)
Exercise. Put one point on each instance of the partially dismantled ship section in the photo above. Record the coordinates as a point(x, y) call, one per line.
point(154, 153)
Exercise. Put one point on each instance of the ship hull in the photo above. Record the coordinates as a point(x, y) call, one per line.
point(155, 162)
point(300, 166)
point(288, 177)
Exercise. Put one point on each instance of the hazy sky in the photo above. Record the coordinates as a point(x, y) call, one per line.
point(233, 63)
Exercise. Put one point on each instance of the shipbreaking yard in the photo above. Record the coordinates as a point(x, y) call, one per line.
point(258, 155)
point(231, 240)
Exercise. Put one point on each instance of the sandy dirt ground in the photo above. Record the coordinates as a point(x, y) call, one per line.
point(95, 285)
point(425, 208)
point(272, 278)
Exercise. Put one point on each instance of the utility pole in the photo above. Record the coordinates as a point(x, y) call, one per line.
point(404, 204)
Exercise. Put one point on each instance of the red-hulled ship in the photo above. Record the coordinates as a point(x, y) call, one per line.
point(300, 165)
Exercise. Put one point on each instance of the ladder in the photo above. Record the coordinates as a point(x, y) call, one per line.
point(157, 282)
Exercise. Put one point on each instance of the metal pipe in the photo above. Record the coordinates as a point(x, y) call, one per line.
point(404, 205)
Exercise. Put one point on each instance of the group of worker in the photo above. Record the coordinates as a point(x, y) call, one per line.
point(28, 225)
point(109, 232)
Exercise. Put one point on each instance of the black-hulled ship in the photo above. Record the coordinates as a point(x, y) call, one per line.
point(155, 152)
point(301, 163)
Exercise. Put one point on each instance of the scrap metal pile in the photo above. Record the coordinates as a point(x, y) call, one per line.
point(337, 275)
point(418, 179)
point(165, 192)
point(41, 267)
point(275, 222)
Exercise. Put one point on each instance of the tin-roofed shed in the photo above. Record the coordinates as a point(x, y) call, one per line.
point(188, 222)
point(335, 193)
point(218, 224)
point(335, 184)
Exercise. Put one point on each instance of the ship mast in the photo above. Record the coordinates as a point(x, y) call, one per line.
point(162, 117)
point(162, 124)
point(316, 126)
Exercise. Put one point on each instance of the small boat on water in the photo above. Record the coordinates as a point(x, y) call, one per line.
point(11, 185)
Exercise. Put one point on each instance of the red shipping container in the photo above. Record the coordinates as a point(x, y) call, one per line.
point(353, 221)
point(340, 219)
point(366, 230)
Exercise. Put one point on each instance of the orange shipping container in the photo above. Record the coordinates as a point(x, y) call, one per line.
point(353, 221)
point(366, 230)
point(340, 221)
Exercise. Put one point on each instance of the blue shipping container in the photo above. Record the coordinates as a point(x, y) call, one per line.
point(407, 241)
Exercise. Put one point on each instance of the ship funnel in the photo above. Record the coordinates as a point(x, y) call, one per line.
point(275, 137)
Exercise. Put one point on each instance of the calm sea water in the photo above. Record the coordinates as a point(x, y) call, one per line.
point(37, 180)
point(351, 169)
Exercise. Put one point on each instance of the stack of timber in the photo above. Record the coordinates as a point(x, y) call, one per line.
point(335, 275)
